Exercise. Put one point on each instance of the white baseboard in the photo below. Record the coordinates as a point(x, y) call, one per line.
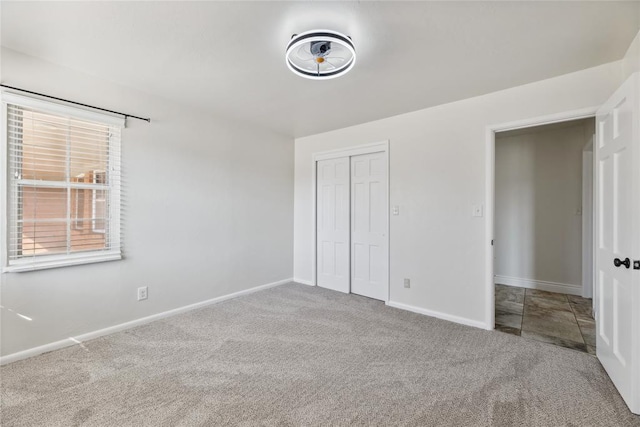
point(132, 324)
point(439, 315)
point(563, 288)
point(303, 282)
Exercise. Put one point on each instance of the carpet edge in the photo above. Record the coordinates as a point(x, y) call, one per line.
point(78, 339)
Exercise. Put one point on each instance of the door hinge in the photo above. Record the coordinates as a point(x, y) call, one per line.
point(491, 242)
point(636, 265)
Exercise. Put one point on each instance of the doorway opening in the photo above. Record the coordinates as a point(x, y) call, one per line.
point(543, 233)
point(352, 220)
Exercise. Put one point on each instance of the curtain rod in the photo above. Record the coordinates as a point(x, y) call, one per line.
point(77, 103)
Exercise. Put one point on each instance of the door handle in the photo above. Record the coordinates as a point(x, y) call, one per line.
point(618, 263)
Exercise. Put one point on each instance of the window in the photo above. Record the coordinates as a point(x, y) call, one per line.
point(63, 185)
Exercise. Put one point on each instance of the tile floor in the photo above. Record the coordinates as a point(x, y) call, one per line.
point(564, 320)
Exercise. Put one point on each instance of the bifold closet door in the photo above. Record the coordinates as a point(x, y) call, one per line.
point(332, 219)
point(369, 222)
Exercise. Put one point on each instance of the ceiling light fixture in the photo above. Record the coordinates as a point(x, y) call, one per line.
point(320, 54)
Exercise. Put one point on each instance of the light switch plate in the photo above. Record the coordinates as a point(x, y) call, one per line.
point(477, 210)
point(396, 210)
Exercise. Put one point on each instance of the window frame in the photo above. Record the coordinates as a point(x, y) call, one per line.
point(94, 204)
point(57, 260)
point(76, 205)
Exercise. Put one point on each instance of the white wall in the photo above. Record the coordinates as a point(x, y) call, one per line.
point(538, 206)
point(631, 60)
point(208, 212)
point(437, 172)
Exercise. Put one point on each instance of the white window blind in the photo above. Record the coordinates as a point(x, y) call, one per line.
point(63, 188)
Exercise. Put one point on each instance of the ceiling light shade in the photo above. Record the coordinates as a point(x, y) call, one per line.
point(320, 54)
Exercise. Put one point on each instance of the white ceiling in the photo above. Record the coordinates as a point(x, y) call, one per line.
point(228, 57)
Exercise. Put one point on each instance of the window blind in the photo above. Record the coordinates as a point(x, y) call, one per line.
point(63, 189)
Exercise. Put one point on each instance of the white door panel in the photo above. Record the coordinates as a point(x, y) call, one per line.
point(333, 224)
point(617, 223)
point(369, 213)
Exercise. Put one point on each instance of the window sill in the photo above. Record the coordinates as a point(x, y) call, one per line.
point(60, 261)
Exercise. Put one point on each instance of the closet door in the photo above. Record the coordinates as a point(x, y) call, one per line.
point(369, 250)
point(332, 219)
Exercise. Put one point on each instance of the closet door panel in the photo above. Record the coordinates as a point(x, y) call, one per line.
point(369, 219)
point(333, 225)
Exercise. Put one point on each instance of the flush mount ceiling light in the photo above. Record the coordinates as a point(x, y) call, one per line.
point(320, 54)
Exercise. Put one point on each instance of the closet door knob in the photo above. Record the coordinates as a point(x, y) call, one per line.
point(617, 262)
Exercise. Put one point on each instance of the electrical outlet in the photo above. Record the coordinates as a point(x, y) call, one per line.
point(407, 283)
point(396, 210)
point(142, 293)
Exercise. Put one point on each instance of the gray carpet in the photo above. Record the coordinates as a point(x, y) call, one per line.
point(297, 355)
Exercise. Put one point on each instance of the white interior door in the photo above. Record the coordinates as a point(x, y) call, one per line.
point(369, 211)
point(618, 240)
point(332, 219)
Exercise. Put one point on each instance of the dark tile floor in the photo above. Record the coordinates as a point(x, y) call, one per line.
point(564, 320)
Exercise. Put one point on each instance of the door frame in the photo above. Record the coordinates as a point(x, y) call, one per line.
point(356, 150)
point(588, 223)
point(490, 172)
